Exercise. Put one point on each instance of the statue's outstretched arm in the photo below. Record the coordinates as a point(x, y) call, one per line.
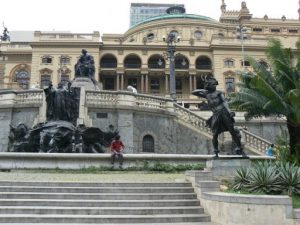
point(200, 93)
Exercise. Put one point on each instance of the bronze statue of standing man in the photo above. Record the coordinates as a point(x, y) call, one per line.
point(222, 119)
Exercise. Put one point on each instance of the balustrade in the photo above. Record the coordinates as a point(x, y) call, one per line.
point(191, 118)
point(99, 99)
point(255, 142)
point(29, 98)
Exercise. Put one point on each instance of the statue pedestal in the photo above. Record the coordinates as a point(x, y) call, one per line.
point(226, 166)
point(85, 82)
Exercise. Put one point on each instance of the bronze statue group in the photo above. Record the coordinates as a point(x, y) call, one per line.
point(223, 118)
point(61, 133)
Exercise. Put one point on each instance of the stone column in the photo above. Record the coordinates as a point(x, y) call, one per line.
point(146, 83)
point(191, 83)
point(125, 122)
point(122, 81)
point(142, 83)
point(167, 84)
point(118, 81)
point(195, 82)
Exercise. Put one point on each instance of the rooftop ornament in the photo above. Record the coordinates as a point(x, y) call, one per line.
point(5, 36)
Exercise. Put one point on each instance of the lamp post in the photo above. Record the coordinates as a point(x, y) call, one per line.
point(241, 34)
point(171, 41)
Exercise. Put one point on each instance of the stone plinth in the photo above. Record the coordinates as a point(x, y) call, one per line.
point(226, 166)
point(87, 83)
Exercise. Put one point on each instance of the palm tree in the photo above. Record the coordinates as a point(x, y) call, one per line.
point(274, 92)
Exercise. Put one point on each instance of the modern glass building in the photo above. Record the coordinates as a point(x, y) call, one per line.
point(142, 11)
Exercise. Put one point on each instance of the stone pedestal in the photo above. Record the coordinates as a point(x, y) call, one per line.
point(126, 130)
point(87, 83)
point(226, 166)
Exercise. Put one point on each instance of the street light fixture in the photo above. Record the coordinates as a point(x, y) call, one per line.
point(171, 41)
point(241, 34)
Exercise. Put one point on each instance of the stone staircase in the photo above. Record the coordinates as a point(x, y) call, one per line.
point(100, 203)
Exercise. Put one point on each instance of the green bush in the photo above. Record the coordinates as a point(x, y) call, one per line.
point(269, 178)
point(264, 178)
point(241, 179)
point(141, 166)
point(289, 178)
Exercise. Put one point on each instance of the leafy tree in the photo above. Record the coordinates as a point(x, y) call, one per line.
point(275, 91)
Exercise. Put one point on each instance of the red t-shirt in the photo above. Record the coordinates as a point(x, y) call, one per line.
point(117, 146)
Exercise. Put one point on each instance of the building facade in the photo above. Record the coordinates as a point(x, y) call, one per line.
point(143, 11)
point(207, 48)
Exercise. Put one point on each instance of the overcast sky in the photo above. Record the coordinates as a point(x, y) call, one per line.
point(112, 16)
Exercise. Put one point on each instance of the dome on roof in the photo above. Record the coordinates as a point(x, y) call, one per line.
point(174, 16)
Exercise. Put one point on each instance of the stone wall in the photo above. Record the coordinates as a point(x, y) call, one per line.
point(170, 136)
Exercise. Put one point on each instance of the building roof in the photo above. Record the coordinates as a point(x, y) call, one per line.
point(27, 36)
point(21, 36)
point(153, 5)
point(175, 16)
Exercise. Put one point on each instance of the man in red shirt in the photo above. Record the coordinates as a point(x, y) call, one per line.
point(117, 148)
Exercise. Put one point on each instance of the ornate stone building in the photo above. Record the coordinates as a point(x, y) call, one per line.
point(207, 47)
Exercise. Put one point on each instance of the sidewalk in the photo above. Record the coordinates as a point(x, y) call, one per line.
point(107, 176)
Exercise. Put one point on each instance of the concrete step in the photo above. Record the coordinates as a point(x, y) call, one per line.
point(297, 214)
point(94, 196)
point(43, 210)
point(64, 203)
point(185, 223)
point(129, 219)
point(99, 203)
point(89, 184)
point(200, 174)
point(208, 186)
point(55, 189)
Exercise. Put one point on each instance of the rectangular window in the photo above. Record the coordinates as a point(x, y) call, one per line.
point(65, 60)
point(154, 85)
point(179, 85)
point(102, 115)
point(47, 60)
point(247, 63)
point(45, 80)
point(64, 79)
point(109, 84)
point(257, 29)
point(275, 30)
point(228, 63)
point(294, 31)
point(229, 84)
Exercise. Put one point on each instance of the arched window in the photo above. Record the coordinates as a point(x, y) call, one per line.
point(148, 143)
point(156, 62)
point(264, 63)
point(22, 77)
point(132, 61)
point(203, 63)
point(108, 61)
point(181, 62)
